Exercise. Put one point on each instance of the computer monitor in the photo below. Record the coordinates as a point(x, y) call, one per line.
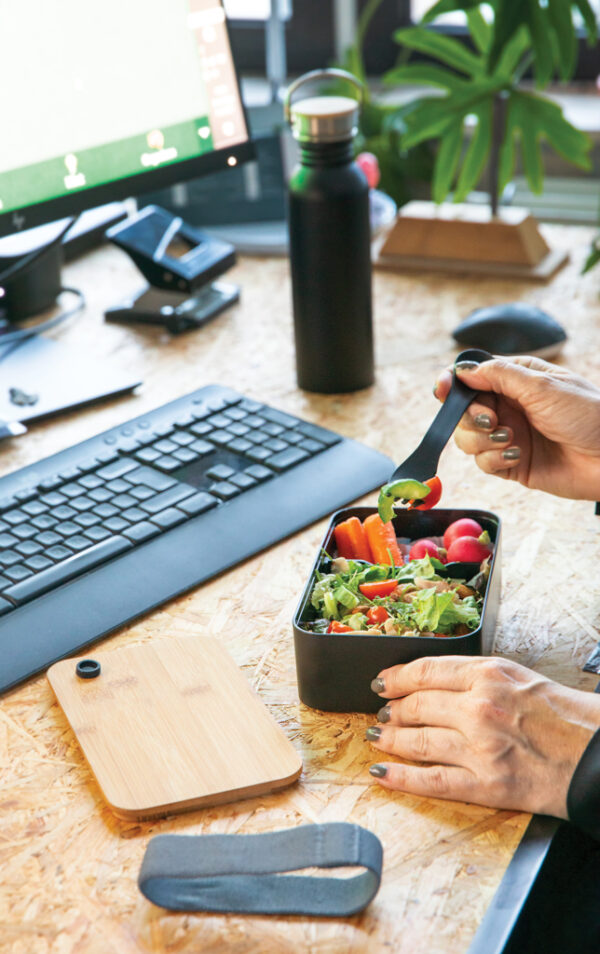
point(104, 99)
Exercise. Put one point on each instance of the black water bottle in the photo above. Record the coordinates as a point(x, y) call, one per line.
point(330, 252)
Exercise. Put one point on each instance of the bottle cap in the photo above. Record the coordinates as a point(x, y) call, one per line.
point(323, 118)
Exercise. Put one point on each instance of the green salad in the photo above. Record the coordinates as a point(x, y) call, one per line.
point(415, 599)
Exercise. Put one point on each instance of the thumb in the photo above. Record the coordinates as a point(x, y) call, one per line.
point(509, 378)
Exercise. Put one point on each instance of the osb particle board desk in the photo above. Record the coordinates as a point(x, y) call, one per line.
point(69, 866)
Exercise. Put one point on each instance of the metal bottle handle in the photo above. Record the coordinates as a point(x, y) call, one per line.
point(319, 74)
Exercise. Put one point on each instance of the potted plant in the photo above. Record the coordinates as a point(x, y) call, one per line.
point(482, 118)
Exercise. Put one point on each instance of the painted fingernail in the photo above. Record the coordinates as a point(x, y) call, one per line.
point(483, 420)
point(378, 685)
point(511, 453)
point(373, 733)
point(434, 388)
point(378, 770)
point(385, 714)
point(466, 365)
point(500, 435)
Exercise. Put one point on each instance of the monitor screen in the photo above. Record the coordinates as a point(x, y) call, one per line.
point(102, 99)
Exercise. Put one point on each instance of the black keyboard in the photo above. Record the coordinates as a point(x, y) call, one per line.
point(104, 531)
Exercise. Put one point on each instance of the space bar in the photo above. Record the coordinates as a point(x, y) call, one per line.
point(46, 580)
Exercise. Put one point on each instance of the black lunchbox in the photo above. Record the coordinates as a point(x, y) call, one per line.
point(335, 669)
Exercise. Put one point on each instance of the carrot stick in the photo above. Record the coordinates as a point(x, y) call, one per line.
point(358, 540)
point(342, 540)
point(382, 540)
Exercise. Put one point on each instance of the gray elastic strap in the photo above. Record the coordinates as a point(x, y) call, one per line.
point(245, 873)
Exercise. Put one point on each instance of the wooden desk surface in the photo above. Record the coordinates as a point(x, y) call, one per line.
point(69, 866)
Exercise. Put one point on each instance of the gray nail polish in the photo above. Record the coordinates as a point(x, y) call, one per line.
point(511, 453)
point(385, 714)
point(378, 770)
point(373, 733)
point(466, 365)
point(378, 685)
point(483, 420)
point(500, 435)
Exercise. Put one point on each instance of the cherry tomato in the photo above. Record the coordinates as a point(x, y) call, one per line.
point(377, 614)
point(336, 627)
point(435, 492)
point(378, 588)
point(465, 527)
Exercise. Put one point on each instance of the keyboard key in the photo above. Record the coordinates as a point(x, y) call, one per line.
point(168, 463)
point(100, 494)
point(116, 524)
point(97, 533)
point(167, 499)
point(182, 438)
point(14, 517)
point(7, 540)
point(278, 417)
point(122, 501)
point(198, 503)
point(16, 573)
point(147, 455)
point(243, 480)
point(198, 413)
point(38, 562)
point(28, 547)
point(236, 413)
point(317, 433)
point(9, 558)
point(141, 531)
point(24, 531)
point(118, 485)
point(165, 446)
point(185, 456)
point(238, 429)
point(70, 474)
point(44, 521)
point(53, 499)
point(239, 445)
point(257, 437)
point(78, 543)
point(202, 448)
point(105, 510)
point(275, 444)
point(313, 447)
point(168, 518)
point(3, 527)
point(259, 472)
point(144, 475)
point(26, 494)
point(141, 492)
point(83, 503)
point(252, 406)
point(34, 508)
point(224, 490)
point(50, 483)
point(67, 529)
point(87, 519)
point(63, 512)
point(90, 481)
point(184, 420)
point(76, 563)
point(221, 438)
point(201, 429)
point(129, 445)
point(218, 420)
point(59, 552)
point(258, 453)
point(72, 490)
point(4, 582)
point(287, 458)
point(48, 538)
point(133, 514)
point(105, 456)
point(273, 429)
point(163, 430)
point(117, 469)
point(5, 606)
point(292, 437)
point(253, 421)
point(220, 472)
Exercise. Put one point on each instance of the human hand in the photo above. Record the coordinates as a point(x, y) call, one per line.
point(537, 423)
point(489, 730)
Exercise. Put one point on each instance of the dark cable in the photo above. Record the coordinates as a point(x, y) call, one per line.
point(26, 260)
point(13, 336)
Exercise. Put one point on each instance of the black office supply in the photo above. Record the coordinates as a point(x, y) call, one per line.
point(514, 328)
point(154, 507)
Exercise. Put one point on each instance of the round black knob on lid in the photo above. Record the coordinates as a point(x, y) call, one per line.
point(88, 668)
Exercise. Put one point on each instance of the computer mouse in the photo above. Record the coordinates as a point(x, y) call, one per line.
point(514, 328)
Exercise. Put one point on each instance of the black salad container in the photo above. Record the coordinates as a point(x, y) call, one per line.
point(335, 669)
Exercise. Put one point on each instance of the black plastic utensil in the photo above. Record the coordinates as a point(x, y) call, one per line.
point(423, 462)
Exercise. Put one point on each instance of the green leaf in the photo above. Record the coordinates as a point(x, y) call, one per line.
point(448, 6)
point(560, 17)
point(594, 256)
point(425, 73)
point(479, 29)
point(447, 160)
point(532, 158)
point(508, 17)
point(589, 19)
point(441, 47)
point(541, 40)
point(428, 118)
point(512, 53)
point(477, 153)
point(550, 123)
point(507, 158)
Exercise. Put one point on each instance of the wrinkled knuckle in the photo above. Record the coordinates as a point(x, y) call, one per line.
point(423, 671)
point(413, 708)
point(438, 781)
point(483, 709)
